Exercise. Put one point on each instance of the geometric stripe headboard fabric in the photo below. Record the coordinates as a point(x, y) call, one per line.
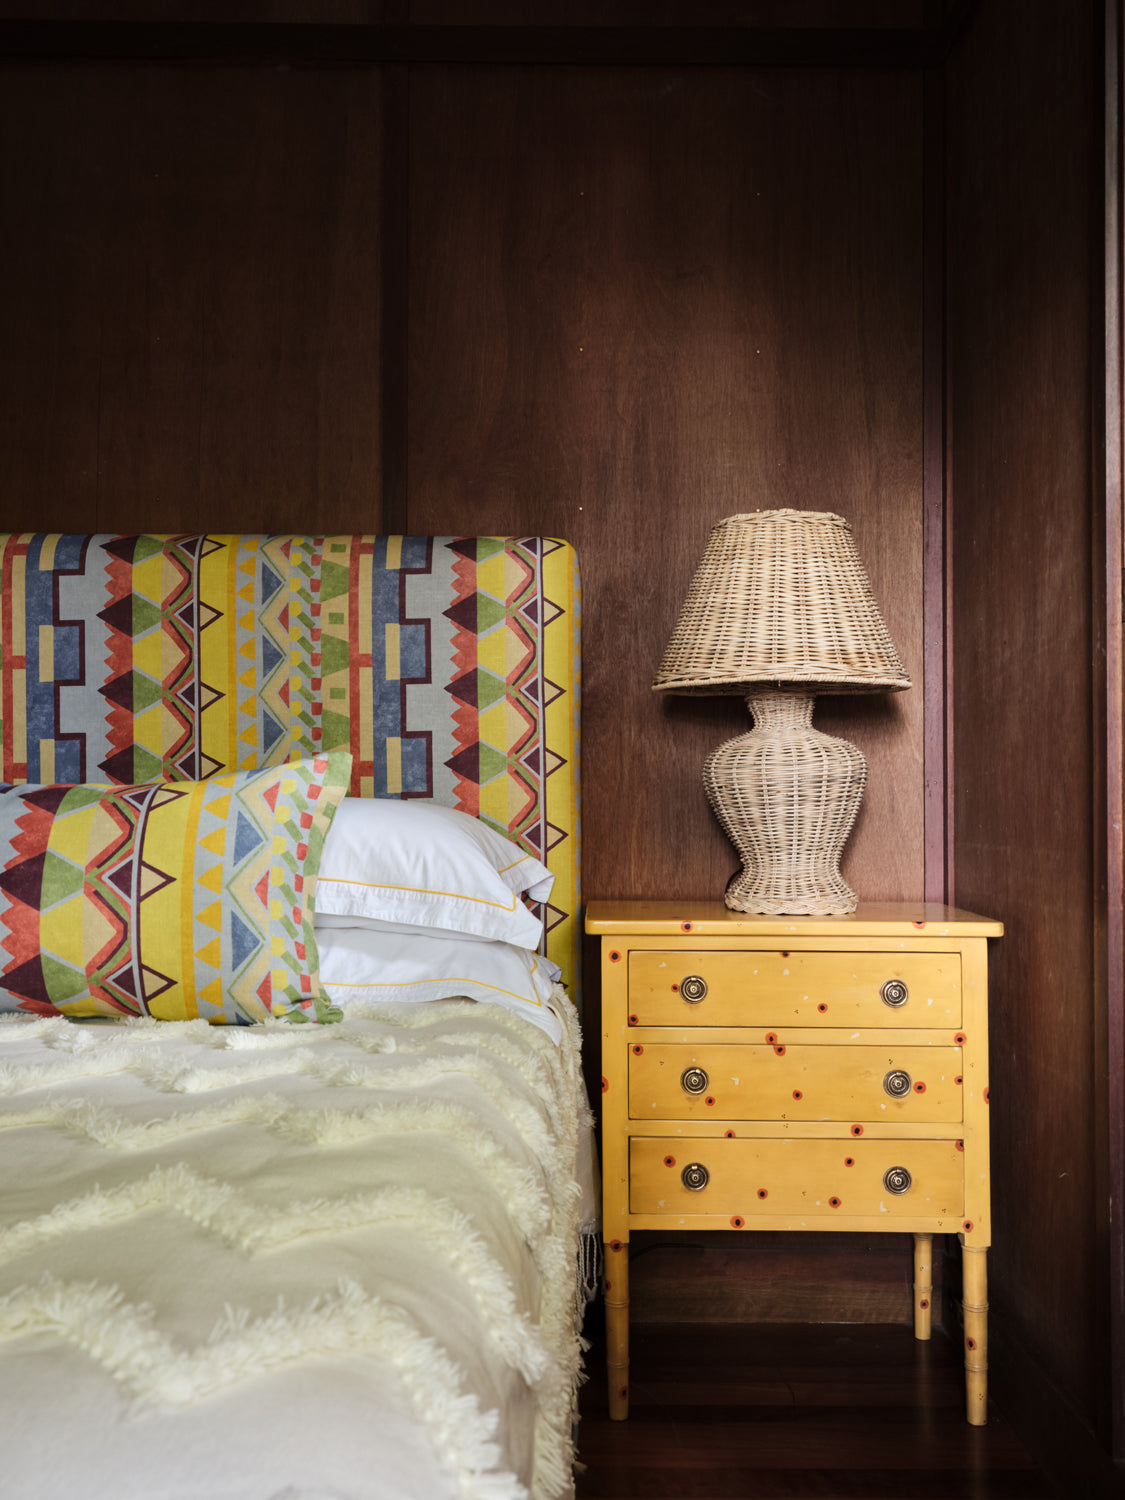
point(448, 666)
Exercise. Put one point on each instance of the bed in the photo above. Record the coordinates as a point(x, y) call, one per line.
point(298, 1173)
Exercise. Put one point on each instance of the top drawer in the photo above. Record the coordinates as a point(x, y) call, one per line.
point(680, 987)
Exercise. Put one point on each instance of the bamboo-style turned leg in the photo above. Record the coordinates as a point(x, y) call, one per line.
point(923, 1284)
point(617, 1327)
point(974, 1277)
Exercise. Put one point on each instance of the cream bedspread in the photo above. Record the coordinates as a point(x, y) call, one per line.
point(289, 1262)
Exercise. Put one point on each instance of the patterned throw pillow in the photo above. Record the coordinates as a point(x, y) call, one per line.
point(174, 899)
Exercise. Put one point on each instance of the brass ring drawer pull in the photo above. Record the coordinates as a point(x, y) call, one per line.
point(897, 1180)
point(897, 1083)
point(894, 993)
point(693, 988)
point(695, 1177)
point(693, 1080)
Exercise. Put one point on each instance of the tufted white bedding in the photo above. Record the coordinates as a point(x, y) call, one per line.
point(290, 1262)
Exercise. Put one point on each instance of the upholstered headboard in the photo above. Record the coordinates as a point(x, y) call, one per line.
point(449, 666)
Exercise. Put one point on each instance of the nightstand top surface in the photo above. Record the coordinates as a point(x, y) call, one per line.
point(714, 919)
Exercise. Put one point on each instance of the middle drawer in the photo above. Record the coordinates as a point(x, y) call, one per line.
point(747, 1081)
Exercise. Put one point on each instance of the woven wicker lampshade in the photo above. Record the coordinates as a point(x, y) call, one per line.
point(780, 609)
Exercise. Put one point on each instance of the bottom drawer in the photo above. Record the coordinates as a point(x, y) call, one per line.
point(752, 1177)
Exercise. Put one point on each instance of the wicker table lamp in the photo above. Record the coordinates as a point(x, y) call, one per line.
point(780, 609)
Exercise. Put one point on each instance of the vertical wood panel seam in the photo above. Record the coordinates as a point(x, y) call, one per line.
point(97, 456)
point(1107, 587)
point(947, 527)
point(202, 398)
point(936, 690)
point(394, 400)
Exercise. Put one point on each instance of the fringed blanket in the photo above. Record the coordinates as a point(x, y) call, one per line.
point(281, 1263)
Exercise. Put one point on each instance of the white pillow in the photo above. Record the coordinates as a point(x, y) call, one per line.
point(423, 865)
point(417, 929)
point(360, 964)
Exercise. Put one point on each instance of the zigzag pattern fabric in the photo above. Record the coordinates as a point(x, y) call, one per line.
point(447, 666)
point(175, 900)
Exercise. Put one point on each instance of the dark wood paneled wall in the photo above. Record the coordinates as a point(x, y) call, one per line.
point(609, 303)
point(192, 339)
point(1025, 189)
point(630, 302)
point(641, 301)
point(805, 14)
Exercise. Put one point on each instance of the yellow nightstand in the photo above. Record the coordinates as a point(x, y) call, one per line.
point(804, 1073)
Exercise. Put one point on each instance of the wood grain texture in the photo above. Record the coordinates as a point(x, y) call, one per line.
point(938, 670)
point(196, 344)
point(741, 13)
point(775, 1278)
point(641, 301)
point(336, 43)
point(394, 362)
point(324, 12)
point(809, 14)
point(1109, 717)
point(719, 1413)
point(1021, 150)
point(53, 250)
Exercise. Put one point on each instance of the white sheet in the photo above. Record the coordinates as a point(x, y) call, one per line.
point(290, 1263)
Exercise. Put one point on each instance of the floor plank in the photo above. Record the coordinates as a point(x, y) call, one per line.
point(785, 1412)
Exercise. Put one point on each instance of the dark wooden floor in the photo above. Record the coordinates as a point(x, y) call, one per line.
point(831, 1411)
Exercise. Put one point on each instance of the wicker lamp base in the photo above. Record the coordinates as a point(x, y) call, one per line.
point(787, 796)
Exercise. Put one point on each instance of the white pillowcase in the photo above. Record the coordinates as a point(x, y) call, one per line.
point(420, 865)
point(359, 964)
point(417, 929)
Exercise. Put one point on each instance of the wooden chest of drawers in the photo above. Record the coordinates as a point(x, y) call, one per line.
point(796, 1073)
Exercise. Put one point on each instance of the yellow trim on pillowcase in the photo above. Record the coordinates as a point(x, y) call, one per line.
point(417, 890)
point(409, 984)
